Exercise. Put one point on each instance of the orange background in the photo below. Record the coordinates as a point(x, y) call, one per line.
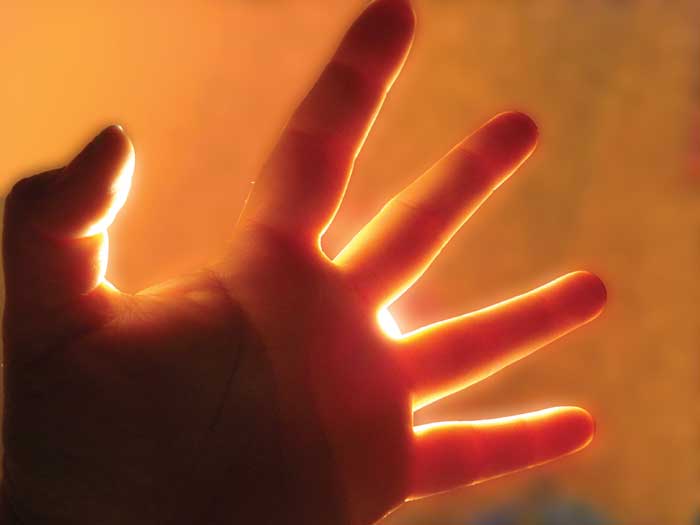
point(203, 88)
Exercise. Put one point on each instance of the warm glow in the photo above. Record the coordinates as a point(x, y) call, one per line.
point(102, 258)
point(120, 191)
point(388, 324)
point(496, 422)
point(484, 312)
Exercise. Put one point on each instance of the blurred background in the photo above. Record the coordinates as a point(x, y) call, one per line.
point(203, 88)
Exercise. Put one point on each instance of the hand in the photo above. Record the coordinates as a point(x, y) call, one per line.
point(261, 389)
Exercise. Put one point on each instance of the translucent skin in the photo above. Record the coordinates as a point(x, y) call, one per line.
point(261, 389)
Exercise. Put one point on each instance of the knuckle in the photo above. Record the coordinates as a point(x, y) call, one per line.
point(476, 163)
point(421, 213)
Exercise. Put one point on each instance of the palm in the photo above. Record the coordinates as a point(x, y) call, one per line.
point(160, 387)
point(262, 389)
point(346, 410)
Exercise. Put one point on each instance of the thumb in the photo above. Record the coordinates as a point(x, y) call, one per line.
point(55, 232)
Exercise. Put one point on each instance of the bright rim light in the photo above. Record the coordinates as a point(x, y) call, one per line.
point(388, 324)
point(119, 191)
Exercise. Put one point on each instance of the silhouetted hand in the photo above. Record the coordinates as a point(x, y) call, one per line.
point(261, 389)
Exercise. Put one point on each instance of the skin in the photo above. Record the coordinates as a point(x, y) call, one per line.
point(261, 389)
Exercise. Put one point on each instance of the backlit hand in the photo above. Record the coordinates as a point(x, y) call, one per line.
point(262, 389)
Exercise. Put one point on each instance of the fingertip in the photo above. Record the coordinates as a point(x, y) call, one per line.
point(397, 13)
point(515, 129)
point(575, 430)
point(93, 186)
point(119, 152)
point(589, 292)
point(596, 287)
point(504, 142)
point(522, 123)
point(380, 37)
point(116, 129)
point(113, 139)
point(108, 148)
point(123, 150)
